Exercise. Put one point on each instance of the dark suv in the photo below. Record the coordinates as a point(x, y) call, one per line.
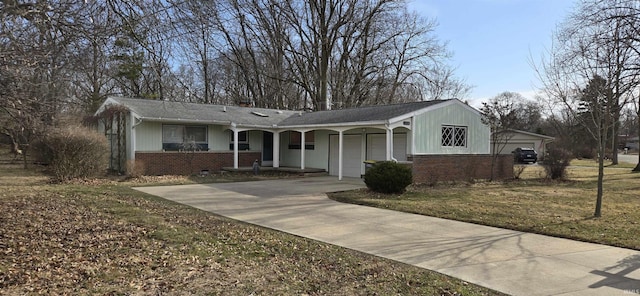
point(522, 155)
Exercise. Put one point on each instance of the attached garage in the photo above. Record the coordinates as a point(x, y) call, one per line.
point(377, 147)
point(352, 164)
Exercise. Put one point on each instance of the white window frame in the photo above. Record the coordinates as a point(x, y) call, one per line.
point(452, 134)
point(240, 136)
point(177, 134)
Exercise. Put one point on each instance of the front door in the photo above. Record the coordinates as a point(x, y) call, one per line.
point(267, 149)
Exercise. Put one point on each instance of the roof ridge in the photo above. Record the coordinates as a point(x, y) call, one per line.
point(386, 105)
point(201, 104)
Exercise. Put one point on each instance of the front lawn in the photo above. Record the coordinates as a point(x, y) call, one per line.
point(100, 237)
point(531, 204)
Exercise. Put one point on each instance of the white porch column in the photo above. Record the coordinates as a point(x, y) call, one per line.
point(340, 155)
point(389, 143)
point(302, 146)
point(276, 149)
point(235, 148)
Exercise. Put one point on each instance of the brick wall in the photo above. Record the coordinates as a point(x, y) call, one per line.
point(429, 169)
point(188, 163)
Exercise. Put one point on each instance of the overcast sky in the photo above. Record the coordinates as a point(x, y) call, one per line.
point(493, 40)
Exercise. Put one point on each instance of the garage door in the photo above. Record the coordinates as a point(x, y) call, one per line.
point(377, 146)
point(509, 147)
point(352, 155)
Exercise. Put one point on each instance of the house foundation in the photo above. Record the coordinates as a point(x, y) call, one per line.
point(191, 162)
point(430, 169)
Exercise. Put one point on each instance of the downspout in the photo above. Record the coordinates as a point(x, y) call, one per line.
point(389, 142)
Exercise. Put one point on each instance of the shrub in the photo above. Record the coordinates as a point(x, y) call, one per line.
point(586, 153)
point(388, 177)
point(134, 168)
point(75, 152)
point(556, 163)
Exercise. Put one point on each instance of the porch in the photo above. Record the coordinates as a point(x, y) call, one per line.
point(291, 170)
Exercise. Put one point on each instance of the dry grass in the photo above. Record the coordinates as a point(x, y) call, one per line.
point(101, 237)
point(531, 204)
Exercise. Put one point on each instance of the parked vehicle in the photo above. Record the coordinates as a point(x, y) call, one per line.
point(525, 155)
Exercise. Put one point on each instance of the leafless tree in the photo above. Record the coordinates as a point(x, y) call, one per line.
point(198, 43)
point(500, 113)
point(442, 83)
point(91, 72)
point(36, 46)
point(593, 69)
point(617, 22)
point(331, 54)
point(62, 56)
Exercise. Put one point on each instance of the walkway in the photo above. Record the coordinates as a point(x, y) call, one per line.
point(508, 261)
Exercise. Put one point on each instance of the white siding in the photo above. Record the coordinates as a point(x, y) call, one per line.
point(149, 136)
point(377, 146)
point(428, 131)
point(218, 138)
point(255, 140)
point(316, 158)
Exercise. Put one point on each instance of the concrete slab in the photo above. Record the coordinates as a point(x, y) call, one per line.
point(508, 261)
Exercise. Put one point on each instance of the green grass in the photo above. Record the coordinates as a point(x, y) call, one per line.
point(531, 204)
point(101, 237)
point(607, 163)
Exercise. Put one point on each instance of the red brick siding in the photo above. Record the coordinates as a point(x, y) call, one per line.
point(429, 169)
point(188, 163)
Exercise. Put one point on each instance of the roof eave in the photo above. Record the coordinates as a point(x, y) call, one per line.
point(531, 134)
point(211, 122)
point(340, 124)
point(201, 121)
point(109, 101)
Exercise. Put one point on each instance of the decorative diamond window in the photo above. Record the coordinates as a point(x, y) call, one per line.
point(454, 136)
point(460, 138)
point(447, 135)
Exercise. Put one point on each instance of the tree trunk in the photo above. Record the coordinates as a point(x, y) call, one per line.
point(598, 211)
point(24, 149)
point(615, 141)
point(637, 168)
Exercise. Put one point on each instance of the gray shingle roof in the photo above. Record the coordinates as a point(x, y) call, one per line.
point(191, 112)
point(261, 117)
point(355, 115)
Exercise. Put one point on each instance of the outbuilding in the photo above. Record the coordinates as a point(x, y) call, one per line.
point(511, 139)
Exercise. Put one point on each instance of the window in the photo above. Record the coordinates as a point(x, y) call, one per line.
point(295, 140)
point(243, 137)
point(243, 140)
point(454, 136)
point(184, 137)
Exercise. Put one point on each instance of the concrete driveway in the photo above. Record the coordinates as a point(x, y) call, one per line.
point(508, 261)
point(628, 158)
